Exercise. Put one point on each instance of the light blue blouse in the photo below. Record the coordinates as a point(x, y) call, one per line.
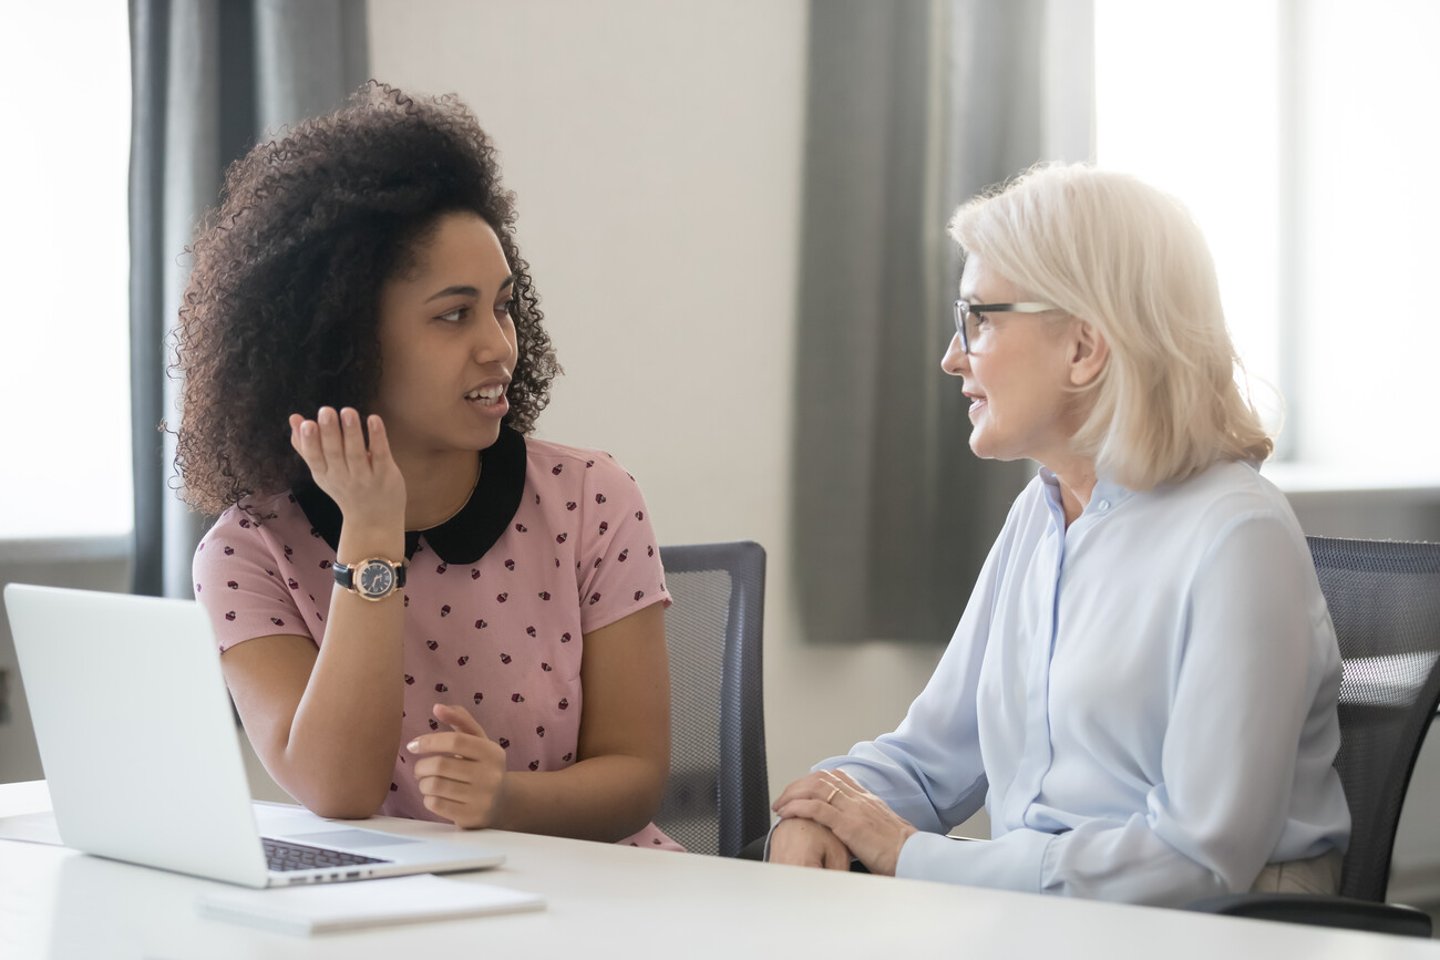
point(1145, 702)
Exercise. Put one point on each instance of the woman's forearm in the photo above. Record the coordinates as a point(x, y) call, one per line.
point(339, 754)
point(604, 798)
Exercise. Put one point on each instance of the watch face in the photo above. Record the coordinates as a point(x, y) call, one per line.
point(376, 579)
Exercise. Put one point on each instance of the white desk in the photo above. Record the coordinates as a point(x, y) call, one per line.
point(609, 901)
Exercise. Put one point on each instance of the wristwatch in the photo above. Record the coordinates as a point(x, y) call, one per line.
point(374, 578)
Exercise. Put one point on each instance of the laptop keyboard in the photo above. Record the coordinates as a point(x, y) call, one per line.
point(284, 856)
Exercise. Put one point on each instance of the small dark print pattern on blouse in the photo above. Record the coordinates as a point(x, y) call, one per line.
point(564, 566)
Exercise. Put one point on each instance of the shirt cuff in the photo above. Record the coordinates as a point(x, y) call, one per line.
point(1010, 863)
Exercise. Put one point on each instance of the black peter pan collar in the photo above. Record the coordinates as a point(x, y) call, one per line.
point(463, 538)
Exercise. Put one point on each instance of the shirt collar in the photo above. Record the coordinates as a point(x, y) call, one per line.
point(463, 538)
point(1106, 495)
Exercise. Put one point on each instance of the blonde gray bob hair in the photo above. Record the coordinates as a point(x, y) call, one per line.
point(1108, 249)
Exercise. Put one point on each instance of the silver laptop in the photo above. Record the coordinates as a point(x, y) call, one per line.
point(141, 750)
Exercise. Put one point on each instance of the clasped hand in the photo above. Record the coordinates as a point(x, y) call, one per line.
point(827, 816)
point(461, 773)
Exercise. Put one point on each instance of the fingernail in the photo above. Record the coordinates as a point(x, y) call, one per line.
point(413, 745)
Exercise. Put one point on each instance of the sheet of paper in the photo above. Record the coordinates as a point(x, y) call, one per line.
point(363, 903)
point(31, 828)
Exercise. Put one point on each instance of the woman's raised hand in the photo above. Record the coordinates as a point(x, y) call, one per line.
point(364, 481)
point(461, 773)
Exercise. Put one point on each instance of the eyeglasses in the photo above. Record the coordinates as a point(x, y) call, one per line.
point(968, 316)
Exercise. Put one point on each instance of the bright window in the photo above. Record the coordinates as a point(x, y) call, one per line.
point(64, 364)
point(1300, 135)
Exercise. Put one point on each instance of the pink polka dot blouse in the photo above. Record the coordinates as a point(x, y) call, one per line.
point(554, 544)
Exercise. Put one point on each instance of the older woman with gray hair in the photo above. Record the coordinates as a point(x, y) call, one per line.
point(1142, 689)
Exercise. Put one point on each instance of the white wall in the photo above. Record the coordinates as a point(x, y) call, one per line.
point(655, 147)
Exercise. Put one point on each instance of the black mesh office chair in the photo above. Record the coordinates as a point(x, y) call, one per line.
point(1384, 599)
point(718, 796)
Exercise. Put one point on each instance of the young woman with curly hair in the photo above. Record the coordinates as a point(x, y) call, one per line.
point(422, 611)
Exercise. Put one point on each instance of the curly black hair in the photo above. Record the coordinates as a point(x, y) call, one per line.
point(281, 310)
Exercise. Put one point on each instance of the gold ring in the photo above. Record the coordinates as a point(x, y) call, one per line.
point(833, 791)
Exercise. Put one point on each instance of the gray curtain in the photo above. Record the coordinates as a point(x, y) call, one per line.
point(209, 79)
point(913, 106)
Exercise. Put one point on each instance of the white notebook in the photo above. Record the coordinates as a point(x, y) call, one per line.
point(364, 903)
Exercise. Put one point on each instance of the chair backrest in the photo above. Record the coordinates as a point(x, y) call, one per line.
point(718, 796)
point(1384, 599)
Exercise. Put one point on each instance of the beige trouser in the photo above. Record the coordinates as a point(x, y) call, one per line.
point(1317, 875)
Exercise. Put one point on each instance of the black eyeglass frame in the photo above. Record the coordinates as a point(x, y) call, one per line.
point(963, 309)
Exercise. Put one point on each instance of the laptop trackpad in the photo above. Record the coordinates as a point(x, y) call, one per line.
point(350, 839)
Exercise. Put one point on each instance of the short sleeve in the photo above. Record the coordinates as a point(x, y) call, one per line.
point(620, 570)
point(239, 584)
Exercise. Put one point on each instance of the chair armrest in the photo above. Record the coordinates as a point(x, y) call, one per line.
point(1320, 911)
